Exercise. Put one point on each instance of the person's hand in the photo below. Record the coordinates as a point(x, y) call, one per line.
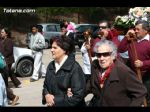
point(87, 46)
point(138, 63)
point(49, 100)
point(69, 92)
point(104, 33)
point(130, 35)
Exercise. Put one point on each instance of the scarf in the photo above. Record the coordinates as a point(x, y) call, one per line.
point(106, 75)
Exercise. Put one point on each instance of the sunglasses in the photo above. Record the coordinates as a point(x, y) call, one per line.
point(104, 54)
point(103, 27)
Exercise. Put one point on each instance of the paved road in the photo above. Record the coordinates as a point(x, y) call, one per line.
point(31, 92)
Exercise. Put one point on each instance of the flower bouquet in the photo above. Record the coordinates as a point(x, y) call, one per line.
point(134, 14)
point(124, 22)
point(140, 13)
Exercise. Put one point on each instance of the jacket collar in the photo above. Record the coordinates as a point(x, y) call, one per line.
point(66, 66)
point(113, 74)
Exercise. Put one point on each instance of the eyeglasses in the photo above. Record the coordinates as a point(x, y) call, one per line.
point(104, 54)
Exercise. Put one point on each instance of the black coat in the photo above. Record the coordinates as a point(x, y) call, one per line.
point(70, 75)
point(122, 88)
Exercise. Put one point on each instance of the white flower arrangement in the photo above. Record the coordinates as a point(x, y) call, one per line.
point(140, 13)
point(124, 22)
point(134, 14)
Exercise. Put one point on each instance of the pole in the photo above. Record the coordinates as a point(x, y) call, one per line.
point(137, 68)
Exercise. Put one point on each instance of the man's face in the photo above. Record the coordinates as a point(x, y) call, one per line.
point(34, 30)
point(103, 25)
point(140, 32)
point(104, 56)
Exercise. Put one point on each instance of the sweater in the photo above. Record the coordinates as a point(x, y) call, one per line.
point(142, 49)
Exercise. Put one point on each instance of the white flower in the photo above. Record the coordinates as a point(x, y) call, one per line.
point(147, 9)
point(139, 13)
point(118, 17)
point(124, 18)
point(136, 12)
point(144, 18)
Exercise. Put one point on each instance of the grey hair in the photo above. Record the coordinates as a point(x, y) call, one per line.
point(108, 43)
point(145, 24)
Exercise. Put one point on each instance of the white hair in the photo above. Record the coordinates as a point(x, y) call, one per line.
point(108, 43)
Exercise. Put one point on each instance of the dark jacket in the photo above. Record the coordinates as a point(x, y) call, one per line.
point(70, 75)
point(8, 50)
point(122, 88)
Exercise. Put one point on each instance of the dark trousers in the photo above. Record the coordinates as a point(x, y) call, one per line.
point(13, 77)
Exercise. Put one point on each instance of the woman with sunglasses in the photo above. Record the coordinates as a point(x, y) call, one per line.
point(63, 74)
point(112, 82)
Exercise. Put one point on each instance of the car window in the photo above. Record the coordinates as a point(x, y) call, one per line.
point(82, 28)
point(58, 28)
point(51, 28)
point(94, 28)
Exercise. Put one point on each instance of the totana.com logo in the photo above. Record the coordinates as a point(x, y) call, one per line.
point(10, 10)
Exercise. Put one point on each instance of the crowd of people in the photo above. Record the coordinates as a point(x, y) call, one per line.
point(108, 75)
point(113, 59)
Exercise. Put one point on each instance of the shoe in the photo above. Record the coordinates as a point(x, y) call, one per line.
point(19, 86)
point(32, 80)
point(9, 102)
point(15, 101)
point(43, 76)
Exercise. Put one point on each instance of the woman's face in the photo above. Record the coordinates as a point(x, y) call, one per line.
point(105, 58)
point(57, 52)
point(3, 33)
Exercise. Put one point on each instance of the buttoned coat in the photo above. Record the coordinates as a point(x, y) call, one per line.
point(122, 88)
point(70, 75)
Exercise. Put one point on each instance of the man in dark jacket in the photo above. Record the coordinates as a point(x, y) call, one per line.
point(112, 82)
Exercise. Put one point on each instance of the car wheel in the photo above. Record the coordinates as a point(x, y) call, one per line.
point(25, 68)
point(46, 45)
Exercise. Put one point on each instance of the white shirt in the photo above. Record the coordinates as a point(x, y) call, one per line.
point(125, 54)
point(37, 41)
point(145, 38)
point(86, 61)
point(58, 66)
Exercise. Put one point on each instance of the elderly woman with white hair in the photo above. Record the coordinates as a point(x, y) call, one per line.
point(112, 82)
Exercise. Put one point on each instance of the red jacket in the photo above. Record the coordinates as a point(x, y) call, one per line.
point(113, 36)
